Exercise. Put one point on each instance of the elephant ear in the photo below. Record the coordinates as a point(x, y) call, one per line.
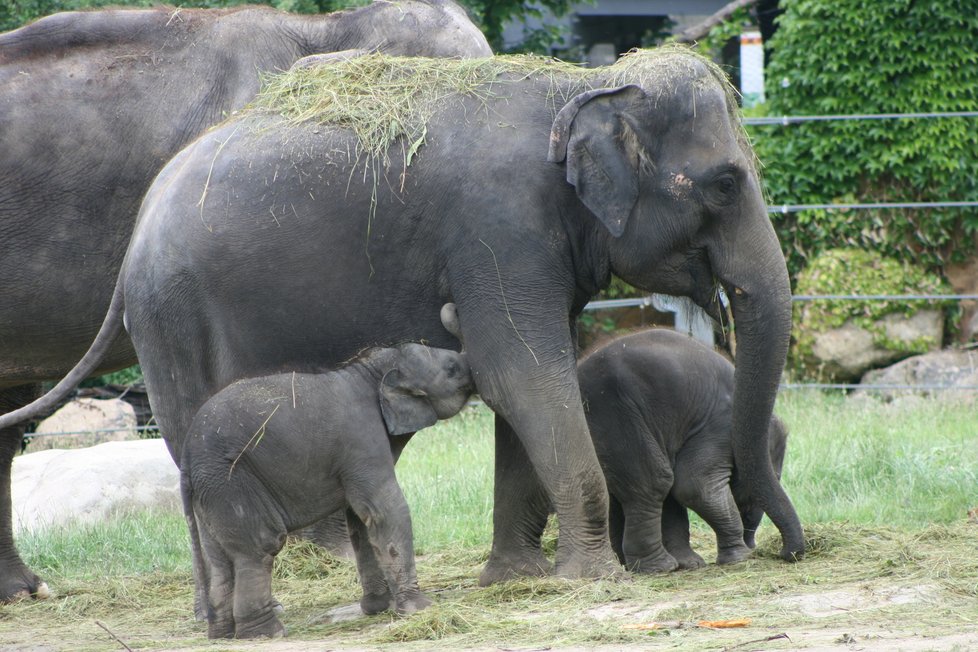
point(405, 408)
point(594, 134)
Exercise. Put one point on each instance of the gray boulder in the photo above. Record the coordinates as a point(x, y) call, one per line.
point(846, 353)
point(930, 371)
point(57, 487)
point(92, 421)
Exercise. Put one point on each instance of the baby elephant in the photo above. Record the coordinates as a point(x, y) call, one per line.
point(658, 405)
point(270, 455)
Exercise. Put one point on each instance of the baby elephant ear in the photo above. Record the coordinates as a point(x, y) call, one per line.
point(406, 409)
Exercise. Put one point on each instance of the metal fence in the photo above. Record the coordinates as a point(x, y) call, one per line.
point(785, 121)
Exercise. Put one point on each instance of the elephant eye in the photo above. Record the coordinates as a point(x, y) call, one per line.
point(724, 188)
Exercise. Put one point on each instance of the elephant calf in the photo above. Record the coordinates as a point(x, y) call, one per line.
point(658, 405)
point(270, 455)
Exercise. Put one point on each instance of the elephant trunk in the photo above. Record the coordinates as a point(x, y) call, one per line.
point(761, 303)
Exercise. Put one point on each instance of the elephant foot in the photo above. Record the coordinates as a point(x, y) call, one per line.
point(788, 554)
point(650, 564)
point(733, 554)
point(504, 567)
point(20, 583)
point(689, 560)
point(412, 602)
point(376, 603)
point(220, 629)
point(603, 566)
point(269, 627)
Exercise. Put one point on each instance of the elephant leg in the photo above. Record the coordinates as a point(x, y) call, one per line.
point(616, 527)
point(675, 534)
point(377, 596)
point(254, 608)
point(385, 515)
point(17, 581)
point(217, 576)
point(332, 533)
point(640, 483)
point(711, 498)
point(519, 514)
point(642, 537)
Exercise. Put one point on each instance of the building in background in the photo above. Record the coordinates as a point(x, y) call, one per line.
point(601, 30)
point(596, 33)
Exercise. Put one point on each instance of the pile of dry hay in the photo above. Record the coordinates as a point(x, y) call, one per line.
point(382, 98)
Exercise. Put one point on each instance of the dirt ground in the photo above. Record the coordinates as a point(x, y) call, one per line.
point(857, 589)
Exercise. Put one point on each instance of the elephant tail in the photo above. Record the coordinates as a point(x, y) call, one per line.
point(112, 326)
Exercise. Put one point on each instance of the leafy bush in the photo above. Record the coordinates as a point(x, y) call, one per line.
point(855, 57)
point(854, 271)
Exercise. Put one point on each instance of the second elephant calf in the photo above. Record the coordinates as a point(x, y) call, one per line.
point(269, 455)
point(658, 405)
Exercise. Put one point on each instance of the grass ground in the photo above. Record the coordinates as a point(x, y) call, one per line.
point(884, 491)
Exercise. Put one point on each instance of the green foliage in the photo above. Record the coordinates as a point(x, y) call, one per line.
point(714, 42)
point(854, 271)
point(492, 15)
point(855, 57)
point(128, 376)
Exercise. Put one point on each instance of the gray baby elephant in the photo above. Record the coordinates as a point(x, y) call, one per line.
point(266, 456)
point(658, 405)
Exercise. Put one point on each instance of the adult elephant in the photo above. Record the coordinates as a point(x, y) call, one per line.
point(517, 189)
point(92, 105)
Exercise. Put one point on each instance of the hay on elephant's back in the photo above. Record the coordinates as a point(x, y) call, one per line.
point(383, 98)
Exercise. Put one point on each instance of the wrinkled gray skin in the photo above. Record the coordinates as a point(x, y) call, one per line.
point(269, 455)
point(519, 207)
point(92, 105)
point(658, 404)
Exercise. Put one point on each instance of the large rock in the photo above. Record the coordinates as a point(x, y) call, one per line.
point(948, 368)
point(846, 353)
point(91, 421)
point(56, 487)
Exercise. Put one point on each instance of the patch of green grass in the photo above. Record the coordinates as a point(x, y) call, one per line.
point(131, 543)
point(446, 473)
point(910, 463)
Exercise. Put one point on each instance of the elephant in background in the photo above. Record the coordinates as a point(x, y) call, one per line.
point(265, 456)
point(94, 104)
point(658, 404)
point(516, 197)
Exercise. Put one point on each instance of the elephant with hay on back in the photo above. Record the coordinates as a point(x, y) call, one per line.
point(92, 105)
point(357, 198)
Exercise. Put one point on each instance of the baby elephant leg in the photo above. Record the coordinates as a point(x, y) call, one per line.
point(382, 510)
point(218, 577)
point(675, 534)
point(642, 535)
point(254, 608)
point(377, 596)
point(711, 498)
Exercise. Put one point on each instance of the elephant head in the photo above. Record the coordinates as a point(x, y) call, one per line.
point(426, 385)
point(672, 166)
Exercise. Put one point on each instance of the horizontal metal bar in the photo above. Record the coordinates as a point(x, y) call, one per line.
point(98, 431)
point(645, 302)
point(883, 297)
point(786, 120)
point(921, 387)
point(794, 208)
point(608, 304)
